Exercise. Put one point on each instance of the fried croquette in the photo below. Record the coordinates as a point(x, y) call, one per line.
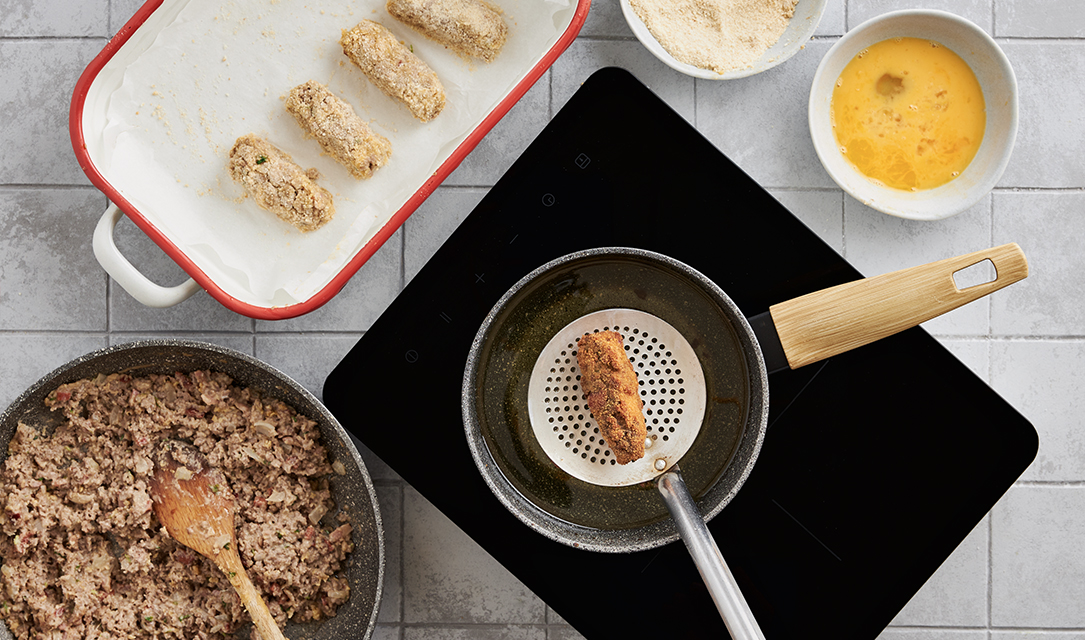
point(610, 388)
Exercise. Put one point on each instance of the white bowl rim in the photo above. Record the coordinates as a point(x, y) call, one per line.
point(640, 30)
point(886, 204)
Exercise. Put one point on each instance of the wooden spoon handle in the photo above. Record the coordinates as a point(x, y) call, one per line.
point(832, 321)
point(230, 563)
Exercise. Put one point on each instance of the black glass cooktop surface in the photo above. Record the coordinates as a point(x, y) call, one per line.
point(876, 465)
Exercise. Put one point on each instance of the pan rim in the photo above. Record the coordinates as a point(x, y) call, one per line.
point(57, 376)
point(643, 537)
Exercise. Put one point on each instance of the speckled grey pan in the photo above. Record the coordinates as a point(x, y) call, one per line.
point(494, 396)
point(647, 295)
point(353, 492)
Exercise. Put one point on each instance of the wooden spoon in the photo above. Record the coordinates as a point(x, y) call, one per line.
point(194, 503)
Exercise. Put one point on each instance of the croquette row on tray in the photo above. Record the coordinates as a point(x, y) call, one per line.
point(209, 71)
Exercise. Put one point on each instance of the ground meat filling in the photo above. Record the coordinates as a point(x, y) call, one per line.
point(84, 555)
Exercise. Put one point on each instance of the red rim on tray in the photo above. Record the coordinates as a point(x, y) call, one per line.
point(86, 123)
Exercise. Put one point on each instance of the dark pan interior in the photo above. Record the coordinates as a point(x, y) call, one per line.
point(501, 361)
point(353, 491)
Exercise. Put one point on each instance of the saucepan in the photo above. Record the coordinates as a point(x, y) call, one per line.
point(702, 367)
point(352, 490)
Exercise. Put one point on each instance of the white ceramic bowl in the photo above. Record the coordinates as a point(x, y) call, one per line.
point(995, 76)
point(802, 26)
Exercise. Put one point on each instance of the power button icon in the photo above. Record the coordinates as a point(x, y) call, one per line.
point(548, 199)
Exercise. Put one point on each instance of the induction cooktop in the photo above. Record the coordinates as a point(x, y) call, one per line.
point(876, 465)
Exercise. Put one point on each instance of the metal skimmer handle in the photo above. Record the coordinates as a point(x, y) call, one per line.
point(706, 555)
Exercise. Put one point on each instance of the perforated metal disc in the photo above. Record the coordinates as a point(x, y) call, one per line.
point(672, 388)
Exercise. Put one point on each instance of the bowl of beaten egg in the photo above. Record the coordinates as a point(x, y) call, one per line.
point(914, 113)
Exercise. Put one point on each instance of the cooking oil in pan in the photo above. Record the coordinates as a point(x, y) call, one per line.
point(536, 313)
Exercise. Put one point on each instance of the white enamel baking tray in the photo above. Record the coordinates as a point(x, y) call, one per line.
point(155, 113)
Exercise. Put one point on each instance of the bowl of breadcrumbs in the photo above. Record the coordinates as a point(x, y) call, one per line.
point(723, 39)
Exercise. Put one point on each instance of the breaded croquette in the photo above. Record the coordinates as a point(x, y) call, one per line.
point(340, 132)
point(394, 69)
point(610, 388)
point(469, 27)
point(279, 185)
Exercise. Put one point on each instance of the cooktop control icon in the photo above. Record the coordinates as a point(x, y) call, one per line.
point(548, 199)
point(583, 161)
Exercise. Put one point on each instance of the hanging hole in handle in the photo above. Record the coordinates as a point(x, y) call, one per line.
point(983, 272)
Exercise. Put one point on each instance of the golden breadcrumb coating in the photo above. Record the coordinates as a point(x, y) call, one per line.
point(279, 185)
point(340, 132)
point(469, 27)
point(610, 387)
point(394, 69)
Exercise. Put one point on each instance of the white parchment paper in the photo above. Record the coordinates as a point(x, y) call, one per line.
point(221, 69)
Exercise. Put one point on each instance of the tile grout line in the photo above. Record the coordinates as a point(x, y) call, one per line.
point(327, 333)
point(989, 342)
point(403, 258)
point(843, 226)
point(990, 569)
point(1071, 40)
point(696, 83)
point(402, 554)
point(550, 94)
point(400, 630)
point(42, 38)
point(1043, 39)
point(108, 309)
point(109, 280)
point(13, 186)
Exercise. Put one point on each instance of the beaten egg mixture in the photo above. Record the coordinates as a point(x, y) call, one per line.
point(908, 113)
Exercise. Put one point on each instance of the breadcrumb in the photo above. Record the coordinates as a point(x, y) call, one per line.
point(279, 185)
point(469, 27)
point(394, 69)
point(340, 132)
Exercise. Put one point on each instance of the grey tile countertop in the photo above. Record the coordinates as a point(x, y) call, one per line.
point(1021, 572)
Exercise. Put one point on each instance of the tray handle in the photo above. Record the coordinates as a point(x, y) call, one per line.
point(838, 319)
point(130, 278)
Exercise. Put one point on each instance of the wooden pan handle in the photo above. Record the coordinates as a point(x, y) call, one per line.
point(832, 321)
